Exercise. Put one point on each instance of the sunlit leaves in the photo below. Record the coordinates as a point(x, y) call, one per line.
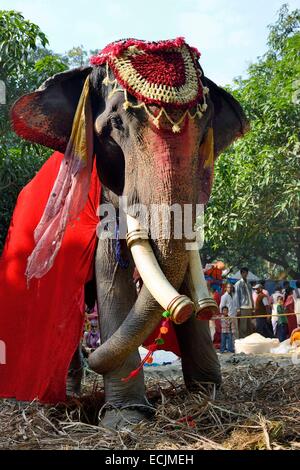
point(255, 204)
point(17, 38)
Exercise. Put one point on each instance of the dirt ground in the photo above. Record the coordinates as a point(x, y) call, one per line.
point(257, 407)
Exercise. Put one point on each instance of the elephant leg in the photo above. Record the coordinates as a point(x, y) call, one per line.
point(125, 401)
point(200, 363)
point(73, 385)
point(75, 372)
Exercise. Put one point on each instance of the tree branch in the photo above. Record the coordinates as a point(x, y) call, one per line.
point(280, 262)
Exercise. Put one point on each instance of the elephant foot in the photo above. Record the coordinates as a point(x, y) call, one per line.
point(199, 386)
point(125, 418)
point(73, 384)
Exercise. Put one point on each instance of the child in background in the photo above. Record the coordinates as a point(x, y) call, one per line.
point(91, 339)
point(227, 332)
point(282, 330)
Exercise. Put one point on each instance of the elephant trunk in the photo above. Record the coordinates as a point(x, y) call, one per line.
point(138, 325)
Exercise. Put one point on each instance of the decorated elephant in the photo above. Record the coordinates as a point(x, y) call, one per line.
point(155, 125)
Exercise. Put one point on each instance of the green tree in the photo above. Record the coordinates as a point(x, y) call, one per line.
point(25, 63)
point(77, 57)
point(253, 216)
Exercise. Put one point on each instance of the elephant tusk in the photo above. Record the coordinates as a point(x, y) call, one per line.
point(179, 306)
point(205, 306)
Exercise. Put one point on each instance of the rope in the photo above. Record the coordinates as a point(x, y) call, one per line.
point(254, 316)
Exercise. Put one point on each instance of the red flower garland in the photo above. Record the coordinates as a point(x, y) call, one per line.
point(153, 347)
point(115, 49)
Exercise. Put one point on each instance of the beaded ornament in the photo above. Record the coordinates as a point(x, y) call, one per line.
point(164, 73)
point(163, 330)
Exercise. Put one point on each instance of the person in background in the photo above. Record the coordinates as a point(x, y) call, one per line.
point(289, 306)
point(262, 307)
point(274, 303)
point(254, 294)
point(216, 295)
point(277, 293)
point(282, 331)
point(215, 325)
point(227, 332)
point(296, 295)
point(244, 304)
point(285, 286)
point(91, 339)
point(228, 300)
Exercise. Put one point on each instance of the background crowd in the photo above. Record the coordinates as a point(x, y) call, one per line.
point(247, 307)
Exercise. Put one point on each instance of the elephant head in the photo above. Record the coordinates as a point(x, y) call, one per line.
point(155, 124)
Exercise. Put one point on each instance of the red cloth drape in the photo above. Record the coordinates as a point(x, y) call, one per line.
point(41, 326)
point(290, 308)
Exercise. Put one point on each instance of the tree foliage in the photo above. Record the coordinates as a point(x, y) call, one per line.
point(254, 213)
point(25, 63)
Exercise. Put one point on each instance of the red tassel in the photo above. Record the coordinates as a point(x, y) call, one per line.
point(151, 349)
point(135, 372)
point(132, 374)
point(188, 420)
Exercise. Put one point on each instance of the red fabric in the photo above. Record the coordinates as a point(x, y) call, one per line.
point(170, 340)
point(217, 297)
point(115, 49)
point(217, 335)
point(41, 326)
point(214, 272)
point(290, 308)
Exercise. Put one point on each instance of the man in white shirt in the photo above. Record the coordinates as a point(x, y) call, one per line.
point(227, 300)
point(274, 302)
point(244, 304)
point(254, 294)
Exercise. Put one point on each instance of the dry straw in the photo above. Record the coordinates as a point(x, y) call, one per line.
point(257, 407)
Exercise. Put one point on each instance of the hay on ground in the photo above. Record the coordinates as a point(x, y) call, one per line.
point(257, 407)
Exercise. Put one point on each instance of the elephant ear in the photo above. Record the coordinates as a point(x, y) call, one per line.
point(229, 121)
point(46, 115)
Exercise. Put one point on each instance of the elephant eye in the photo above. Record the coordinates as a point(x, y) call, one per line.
point(116, 122)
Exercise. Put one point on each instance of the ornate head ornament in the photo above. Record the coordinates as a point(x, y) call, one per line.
point(165, 73)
